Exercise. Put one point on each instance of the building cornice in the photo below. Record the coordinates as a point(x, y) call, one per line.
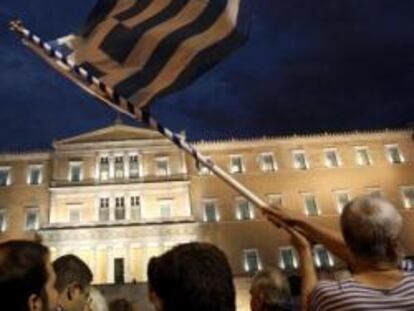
point(305, 139)
point(26, 156)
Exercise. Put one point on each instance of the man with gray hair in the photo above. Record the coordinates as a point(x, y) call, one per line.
point(369, 243)
point(270, 291)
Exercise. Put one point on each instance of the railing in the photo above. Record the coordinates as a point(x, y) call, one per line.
point(130, 180)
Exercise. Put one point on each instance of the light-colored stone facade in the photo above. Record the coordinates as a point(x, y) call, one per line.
point(125, 194)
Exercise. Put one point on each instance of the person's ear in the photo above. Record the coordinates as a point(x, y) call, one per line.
point(34, 303)
point(72, 290)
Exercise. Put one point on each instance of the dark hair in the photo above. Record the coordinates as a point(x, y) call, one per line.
point(193, 276)
point(71, 269)
point(23, 272)
point(120, 305)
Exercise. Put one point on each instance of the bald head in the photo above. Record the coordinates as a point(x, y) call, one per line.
point(371, 227)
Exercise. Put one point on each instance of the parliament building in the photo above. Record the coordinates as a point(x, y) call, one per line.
point(119, 195)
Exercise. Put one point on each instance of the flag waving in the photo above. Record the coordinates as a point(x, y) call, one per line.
point(144, 49)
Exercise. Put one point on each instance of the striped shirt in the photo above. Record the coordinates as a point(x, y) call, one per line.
point(351, 295)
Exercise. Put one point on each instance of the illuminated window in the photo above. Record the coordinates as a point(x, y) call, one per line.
point(3, 220)
point(210, 211)
point(236, 164)
point(135, 207)
point(251, 260)
point(287, 258)
point(5, 176)
point(163, 166)
point(104, 209)
point(76, 172)
point(119, 167)
point(342, 198)
point(202, 169)
point(267, 162)
point(323, 259)
point(311, 207)
point(35, 175)
point(362, 156)
point(394, 154)
point(244, 210)
point(300, 161)
point(119, 208)
point(32, 218)
point(275, 199)
point(332, 158)
point(408, 196)
point(133, 166)
point(104, 168)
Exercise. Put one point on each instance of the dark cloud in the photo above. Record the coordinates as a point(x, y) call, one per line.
point(308, 67)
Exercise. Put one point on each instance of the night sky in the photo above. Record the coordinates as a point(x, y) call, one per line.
point(308, 67)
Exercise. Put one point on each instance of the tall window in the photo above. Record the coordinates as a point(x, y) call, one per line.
point(135, 207)
point(76, 173)
point(311, 208)
point(5, 176)
point(165, 208)
point(119, 167)
point(322, 257)
point(133, 166)
point(244, 211)
point(104, 168)
point(342, 198)
point(332, 158)
point(104, 209)
point(300, 161)
point(119, 208)
point(251, 260)
point(32, 218)
point(202, 169)
point(210, 211)
point(408, 196)
point(236, 164)
point(163, 167)
point(287, 258)
point(362, 156)
point(34, 175)
point(3, 220)
point(394, 154)
point(267, 162)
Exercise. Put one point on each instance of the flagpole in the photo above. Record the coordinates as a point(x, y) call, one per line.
point(121, 104)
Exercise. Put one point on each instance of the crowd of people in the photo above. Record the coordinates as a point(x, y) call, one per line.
point(197, 276)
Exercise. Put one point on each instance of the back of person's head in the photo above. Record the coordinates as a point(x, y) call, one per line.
point(23, 274)
point(73, 278)
point(270, 291)
point(193, 276)
point(371, 227)
point(97, 301)
point(120, 305)
point(71, 269)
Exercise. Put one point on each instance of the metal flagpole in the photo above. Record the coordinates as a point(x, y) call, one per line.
point(121, 104)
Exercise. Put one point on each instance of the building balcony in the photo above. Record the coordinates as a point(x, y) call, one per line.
point(120, 181)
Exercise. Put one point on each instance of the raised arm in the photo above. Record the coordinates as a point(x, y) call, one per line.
point(331, 239)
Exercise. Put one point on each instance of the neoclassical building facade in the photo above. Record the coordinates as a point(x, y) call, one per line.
point(119, 195)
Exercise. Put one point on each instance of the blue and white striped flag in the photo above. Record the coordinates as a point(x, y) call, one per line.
point(144, 49)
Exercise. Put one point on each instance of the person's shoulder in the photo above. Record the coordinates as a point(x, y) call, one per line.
point(326, 291)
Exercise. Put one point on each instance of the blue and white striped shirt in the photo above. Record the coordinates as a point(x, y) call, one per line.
point(350, 295)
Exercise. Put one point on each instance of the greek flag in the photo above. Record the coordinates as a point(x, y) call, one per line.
point(144, 49)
